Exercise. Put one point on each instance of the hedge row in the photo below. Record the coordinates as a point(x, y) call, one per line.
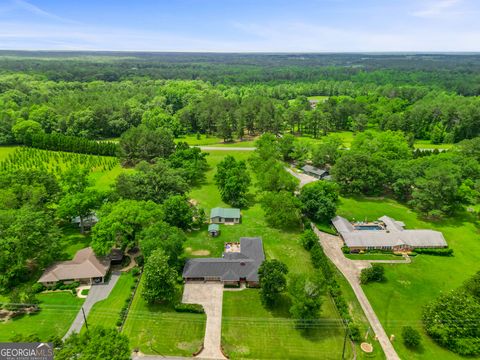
point(437, 252)
point(321, 262)
point(60, 142)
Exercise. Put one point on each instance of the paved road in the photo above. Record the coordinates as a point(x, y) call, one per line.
point(304, 178)
point(96, 294)
point(226, 148)
point(210, 296)
point(332, 245)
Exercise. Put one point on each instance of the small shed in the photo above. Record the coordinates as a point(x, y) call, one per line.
point(214, 230)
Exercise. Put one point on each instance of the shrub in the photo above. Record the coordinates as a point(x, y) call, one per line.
point(411, 337)
point(189, 308)
point(119, 322)
point(38, 288)
point(374, 273)
point(436, 252)
point(345, 249)
point(308, 239)
point(140, 260)
point(354, 332)
point(135, 271)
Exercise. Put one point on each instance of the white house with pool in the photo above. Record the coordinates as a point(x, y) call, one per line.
point(385, 234)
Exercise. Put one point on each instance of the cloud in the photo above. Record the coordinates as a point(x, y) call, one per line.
point(438, 8)
point(35, 10)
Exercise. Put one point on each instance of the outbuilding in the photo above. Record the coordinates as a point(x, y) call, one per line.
point(220, 215)
point(214, 230)
point(315, 172)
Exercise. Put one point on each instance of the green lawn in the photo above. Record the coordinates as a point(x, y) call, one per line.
point(398, 302)
point(265, 329)
point(162, 331)
point(318, 97)
point(427, 144)
point(72, 241)
point(106, 312)
point(58, 310)
point(213, 141)
point(251, 331)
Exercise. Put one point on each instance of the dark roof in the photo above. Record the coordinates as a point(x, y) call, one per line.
point(314, 170)
point(232, 266)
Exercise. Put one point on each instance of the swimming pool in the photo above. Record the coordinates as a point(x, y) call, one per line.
point(368, 227)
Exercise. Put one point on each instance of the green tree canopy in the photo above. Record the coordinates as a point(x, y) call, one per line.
point(159, 279)
point(319, 200)
point(272, 280)
point(155, 182)
point(96, 343)
point(142, 144)
point(120, 223)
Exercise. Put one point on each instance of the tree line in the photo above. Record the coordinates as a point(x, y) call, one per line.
point(99, 110)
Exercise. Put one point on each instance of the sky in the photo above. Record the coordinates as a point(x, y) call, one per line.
point(241, 25)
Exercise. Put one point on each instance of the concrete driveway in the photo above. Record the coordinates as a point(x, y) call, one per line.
point(332, 246)
point(96, 293)
point(304, 178)
point(210, 296)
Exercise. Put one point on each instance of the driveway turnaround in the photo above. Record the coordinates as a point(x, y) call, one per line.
point(210, 296)
point(97, 293)
point(332, 246)
point(304, 178)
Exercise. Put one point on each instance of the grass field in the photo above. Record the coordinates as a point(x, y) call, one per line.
point(55, 317)
point(427, 144)
point(106, 312)
point(214, 141)
point(162, 331)
point(251, 331)
point(398, 302)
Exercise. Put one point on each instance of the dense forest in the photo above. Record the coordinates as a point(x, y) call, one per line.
point(428, 97)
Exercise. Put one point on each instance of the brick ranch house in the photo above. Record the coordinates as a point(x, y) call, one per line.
point(238, 264)
point(385, 234)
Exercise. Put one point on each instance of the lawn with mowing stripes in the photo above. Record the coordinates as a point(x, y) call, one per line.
point(398, 302)
point(58, 310)
point(159, 330)
point(106, 312)
point(251, 331)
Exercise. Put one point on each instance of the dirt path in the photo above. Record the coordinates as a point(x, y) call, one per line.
point(210, 296)
point(332, 246)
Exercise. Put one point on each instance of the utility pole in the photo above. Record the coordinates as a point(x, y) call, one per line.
point(85, 318)
point(345, 340)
